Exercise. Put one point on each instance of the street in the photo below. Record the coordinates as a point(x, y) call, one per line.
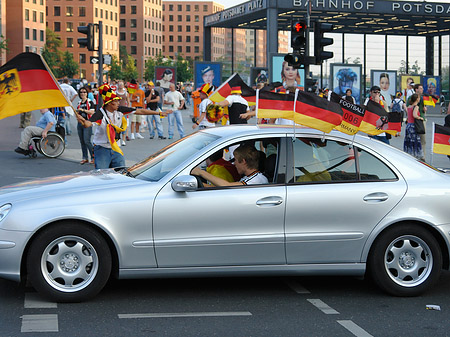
point(252, 306)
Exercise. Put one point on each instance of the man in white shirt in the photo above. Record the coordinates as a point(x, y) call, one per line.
point(202, 122)
point(237, 105)
point(246, 162)
point(70, 94)
point(175, 100)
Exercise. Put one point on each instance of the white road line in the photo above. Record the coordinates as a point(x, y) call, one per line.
point(186, 314)
point(354, 328)
point(39, 323)
point(323, 307)
point(297, 287)
point(34, 301)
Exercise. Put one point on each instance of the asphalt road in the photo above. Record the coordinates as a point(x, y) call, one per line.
point(295, 306)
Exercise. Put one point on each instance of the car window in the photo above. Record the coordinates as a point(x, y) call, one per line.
point(316, 160)
point(371, 168)
point(162, 162)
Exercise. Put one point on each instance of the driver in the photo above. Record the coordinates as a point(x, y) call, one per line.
point(246, 162)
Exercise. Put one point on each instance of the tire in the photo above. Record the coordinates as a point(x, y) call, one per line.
point(69, 262)
point(52, 146)
point(405, 260)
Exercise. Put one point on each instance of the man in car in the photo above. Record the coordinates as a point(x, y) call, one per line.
point(246, 162)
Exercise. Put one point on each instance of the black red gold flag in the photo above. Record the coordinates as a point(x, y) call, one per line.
point(441, 139)
point(275, 105)
point(375, 119)
point(224, 90)
point(26, 85)
point(430, 100)
point(317, 113)
point(352, 115)
point(394, 123)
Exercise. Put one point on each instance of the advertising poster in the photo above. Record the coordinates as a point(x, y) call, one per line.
point(207, 72)
point(165, 76)
point(346, 76)
point(387, 81)
point(406, 80)
point(432, 85)
point(286, 74)
point(258, 75)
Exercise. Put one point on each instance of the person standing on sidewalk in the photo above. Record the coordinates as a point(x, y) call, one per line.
point(124, 101)
point(70, 94)
point(176, 100)
point(137, 101)
point(86, 108)
point(152, 98)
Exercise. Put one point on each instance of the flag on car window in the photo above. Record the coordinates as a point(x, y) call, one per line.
point(316, 112)
point(430, 100)
point(224, 90)
point(441, 139)
point(26, 84)
point(352, 114)
point(375, 119)
point(275, 105)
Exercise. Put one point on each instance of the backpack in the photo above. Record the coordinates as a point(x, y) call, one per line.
point(397, 107)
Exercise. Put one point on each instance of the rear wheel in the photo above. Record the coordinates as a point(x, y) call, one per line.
point(69, 262)
point(52, 146)
point(405, 260)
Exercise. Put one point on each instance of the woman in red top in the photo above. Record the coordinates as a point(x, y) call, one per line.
point(412, 144)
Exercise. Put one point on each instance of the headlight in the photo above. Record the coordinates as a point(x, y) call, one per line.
point(4, 210)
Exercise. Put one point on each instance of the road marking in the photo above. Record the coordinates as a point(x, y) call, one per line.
point(187, 314)
point(323, 307)
point(39, 323)
point(354, 328)
point(297, 287)
point(34, 301)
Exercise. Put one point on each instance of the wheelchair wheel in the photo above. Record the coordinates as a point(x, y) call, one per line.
point(52, 146)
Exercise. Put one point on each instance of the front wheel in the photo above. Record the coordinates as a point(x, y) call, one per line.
point(405, 260)
point(69, 262)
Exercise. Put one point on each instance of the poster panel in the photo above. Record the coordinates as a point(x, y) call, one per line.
point(346, 76)
point(286, 74)
point(165, 76)
point(207, 72)
point(387, 81)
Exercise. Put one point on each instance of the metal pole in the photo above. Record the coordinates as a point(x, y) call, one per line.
point(343, 48)
point(385, 51)
point(100, 53)
point(407, 55)
point(365, 66)
point(232, 50)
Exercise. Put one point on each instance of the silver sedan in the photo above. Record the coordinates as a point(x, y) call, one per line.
point(334, 205)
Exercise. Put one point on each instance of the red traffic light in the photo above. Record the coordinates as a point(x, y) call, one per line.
point(298, 27)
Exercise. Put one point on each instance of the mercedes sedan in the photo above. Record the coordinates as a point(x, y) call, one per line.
point(334, 205)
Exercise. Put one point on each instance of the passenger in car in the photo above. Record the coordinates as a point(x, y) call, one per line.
point(246, 163)
point(221, 168)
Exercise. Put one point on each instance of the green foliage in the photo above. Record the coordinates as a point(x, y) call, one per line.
point(115, 69)
point(68, 66)
point(151, 63)
point(412, 69)
point(123, 55)
point(3, 43)
point(184, 69)
point(52, 52)
point(129, 71)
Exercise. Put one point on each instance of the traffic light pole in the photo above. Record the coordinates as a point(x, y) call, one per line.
point(308, 24)
point(100, 53)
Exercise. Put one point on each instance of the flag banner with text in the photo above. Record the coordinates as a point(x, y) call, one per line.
point(352, 116)
point(441, 139)
point(274, 105)
point(224, 90)
point(316, 112)
point(26, 85)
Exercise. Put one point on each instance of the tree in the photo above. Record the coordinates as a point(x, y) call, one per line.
point(68, 66)
point(52, 51)
point(184, 70)
point(115, 69)
point(414, 69)
point(123, 55)
point(3, 46)
point(130, 72)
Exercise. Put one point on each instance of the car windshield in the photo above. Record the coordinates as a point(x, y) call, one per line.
point(162, 162)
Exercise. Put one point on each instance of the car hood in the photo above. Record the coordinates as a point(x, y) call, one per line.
point(75, 182)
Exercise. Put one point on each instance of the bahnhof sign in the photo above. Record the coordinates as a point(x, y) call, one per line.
point(404, 18)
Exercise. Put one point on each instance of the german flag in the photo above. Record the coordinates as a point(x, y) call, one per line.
point(317, 113)
point(394, 123)
point(441, 139)
point(224, 90)
point(132, 88)
point(352, 116)
point(430, 100)
point(26, 84)
point(375, 119)
point(274, 105)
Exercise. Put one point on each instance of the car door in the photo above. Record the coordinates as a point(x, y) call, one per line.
point(229, 226)
point(337, 193)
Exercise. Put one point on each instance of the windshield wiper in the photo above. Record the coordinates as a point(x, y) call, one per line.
point(126, 172)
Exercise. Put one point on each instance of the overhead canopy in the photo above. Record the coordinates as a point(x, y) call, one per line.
point(348, 16)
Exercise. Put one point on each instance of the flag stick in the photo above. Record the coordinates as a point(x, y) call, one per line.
point(293, 112)
point(432, 144)
point(257, 105)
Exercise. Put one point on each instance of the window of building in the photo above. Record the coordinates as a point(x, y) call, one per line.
point(197, 29)
point(122, 23)
point(197, 49)
point(170, 17)
point(115, 31)
point(188, 18)
point(57, 26)
point(69, 11)
point(188, 8)
point(96, 12)
point(188, 28)
point(82, 58)
point(170, 28)
point(41, 17)
point(180, 18)
point(123, 36)
point(188, 38)
point(196, 18)
point(133, 10)
point(196, 8)
point(101, 13)
point(69, 26)
point(69, 42)
point(106, 15)
point(170, 49)
point(171, 8)
point(115, 17)
point(205, 8)
point(35, 34)
point(171, 38)
point(133, 36)
point(180, 38)
point(41, 35)
point(180, 49)
point(34, 16)
point(180, 28)
point(188, 49)
point(180, 8)
point(133, 23)
point(122, 9)
point(27, 33)
point(106, 29)
point(133, 50)
point(196, 39)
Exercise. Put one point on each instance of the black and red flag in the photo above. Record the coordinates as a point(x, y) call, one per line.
point(352, 115)
point(441, 139)
point(316, 112)
point(375, 119)
point(275, 105)
point(26, 84)
point(430, 99)
point(224, 90)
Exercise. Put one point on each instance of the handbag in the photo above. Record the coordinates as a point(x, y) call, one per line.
point(420, 128)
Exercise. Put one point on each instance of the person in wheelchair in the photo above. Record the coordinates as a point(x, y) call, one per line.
point(45, 124)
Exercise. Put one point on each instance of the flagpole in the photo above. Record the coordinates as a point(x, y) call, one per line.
point(432, 143)
point(257, 105)
point(293, 112)
point(56, 82)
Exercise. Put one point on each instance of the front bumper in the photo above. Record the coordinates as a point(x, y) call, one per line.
point(12, 246)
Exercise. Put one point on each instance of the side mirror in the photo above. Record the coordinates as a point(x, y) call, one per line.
point(185, 184)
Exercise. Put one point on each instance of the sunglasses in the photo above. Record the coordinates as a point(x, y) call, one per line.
point(376, 92)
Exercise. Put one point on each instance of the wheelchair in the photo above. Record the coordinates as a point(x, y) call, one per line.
point(52, 146)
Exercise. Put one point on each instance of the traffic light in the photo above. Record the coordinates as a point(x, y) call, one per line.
point(298, 36)
point(319, 41)
point(87, 41)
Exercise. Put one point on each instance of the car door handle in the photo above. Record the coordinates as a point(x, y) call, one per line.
point(376, 197)
point(270, 201)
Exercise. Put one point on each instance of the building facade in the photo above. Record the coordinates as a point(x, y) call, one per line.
point(183, 29)
point(25, 26)
point(2, 29)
